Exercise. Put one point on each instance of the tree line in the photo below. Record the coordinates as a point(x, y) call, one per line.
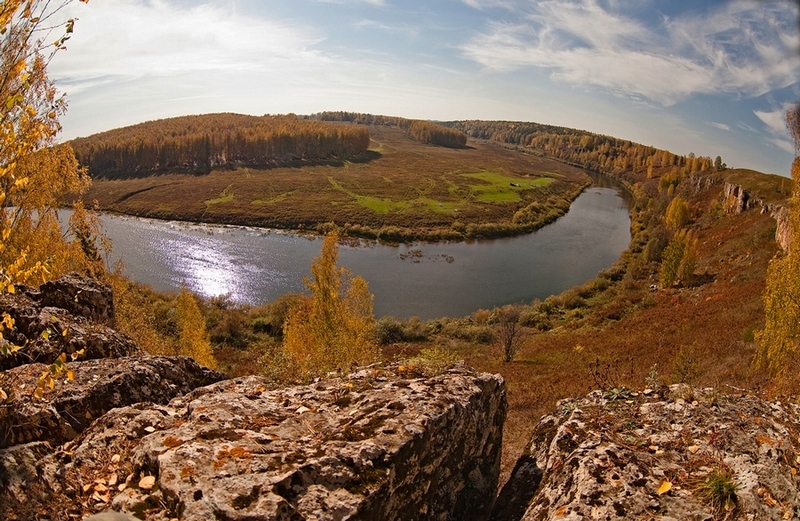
point(200, 143)
point(622, 159)
point(423, 131)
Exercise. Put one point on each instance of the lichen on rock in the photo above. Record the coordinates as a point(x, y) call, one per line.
point(648, 457)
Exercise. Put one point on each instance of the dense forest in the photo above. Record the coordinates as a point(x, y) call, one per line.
point(427, 132)
point(200, 143)
point(620, 158)
point(420, 130)
point(623, 159)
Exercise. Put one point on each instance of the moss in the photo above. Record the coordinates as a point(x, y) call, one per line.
point(367, 477)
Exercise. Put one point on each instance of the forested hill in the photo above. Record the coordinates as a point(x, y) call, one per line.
point(624, 160)
point(421, 130)
point(200, 143)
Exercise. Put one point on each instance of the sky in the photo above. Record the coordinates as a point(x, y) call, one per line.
point(708, 77)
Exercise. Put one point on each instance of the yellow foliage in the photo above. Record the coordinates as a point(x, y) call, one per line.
point(778, 349)
point(679, 258)
point(135, 312)
point(193, 338)
point(32, 174)
point(334, 329)
point(677, 214)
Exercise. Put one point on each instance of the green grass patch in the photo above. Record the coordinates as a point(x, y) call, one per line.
point(226, 196)
point(375, 204)
point(498, 187)
point(414, 188)
point(442, 207)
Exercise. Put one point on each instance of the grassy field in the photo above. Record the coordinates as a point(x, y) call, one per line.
point(414, 190)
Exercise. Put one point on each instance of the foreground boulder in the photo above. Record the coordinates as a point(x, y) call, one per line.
point(68, 315)
point(668, 456)
point(98, 387)
point(373, 446)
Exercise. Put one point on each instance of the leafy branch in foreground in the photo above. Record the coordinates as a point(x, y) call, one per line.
point(33, 172)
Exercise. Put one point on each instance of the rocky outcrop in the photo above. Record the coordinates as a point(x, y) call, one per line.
point(68, 315)
point(783, 230)
point(80, 296)
point(700, 183)
point(648, 455)
point(98, 387)
point(372, 446)
point(737, 199)
point(376, 445)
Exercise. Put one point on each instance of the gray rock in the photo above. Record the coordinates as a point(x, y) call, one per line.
point(604, 459)
point(68, 315)
point(80, 296)
point(99, 386)
point(384, 448)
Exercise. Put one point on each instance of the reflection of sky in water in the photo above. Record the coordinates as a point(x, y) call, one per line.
point(255, 266)
point(208, 271)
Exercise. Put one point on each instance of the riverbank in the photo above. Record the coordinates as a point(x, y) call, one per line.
point(427, 280)
point(402, 191)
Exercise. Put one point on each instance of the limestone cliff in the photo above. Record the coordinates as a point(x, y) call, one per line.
point(738, 199)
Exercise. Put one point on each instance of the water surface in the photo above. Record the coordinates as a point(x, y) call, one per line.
point(255, 266)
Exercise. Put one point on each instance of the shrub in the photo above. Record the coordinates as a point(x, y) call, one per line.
point(391, 330)
point(507, 330)
point(192, 337)
point(432, 361)
point(388, 330)
point(535, 319)
point(686, 366)
point(572, 299)
point(270, 318)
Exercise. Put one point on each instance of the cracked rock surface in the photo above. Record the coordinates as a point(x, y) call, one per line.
point(650, 456)
point(371, 446)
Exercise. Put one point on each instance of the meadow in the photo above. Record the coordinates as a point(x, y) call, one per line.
point(400, 189)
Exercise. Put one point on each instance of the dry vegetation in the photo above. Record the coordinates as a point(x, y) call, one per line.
point(620, 330)
point(400, 190)
point(613, 331)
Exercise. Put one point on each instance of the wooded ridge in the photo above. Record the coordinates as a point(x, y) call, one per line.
point(200, 143)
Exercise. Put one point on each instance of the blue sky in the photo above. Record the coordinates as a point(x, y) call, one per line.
point(709, 77)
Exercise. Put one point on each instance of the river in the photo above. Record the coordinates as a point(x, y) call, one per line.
point(255, 266)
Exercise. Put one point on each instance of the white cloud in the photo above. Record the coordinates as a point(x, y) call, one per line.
point(721, 126)
point(741, 48)
point(775, 121)
point(484, 4)
point(407, 31)
point(130, 38)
